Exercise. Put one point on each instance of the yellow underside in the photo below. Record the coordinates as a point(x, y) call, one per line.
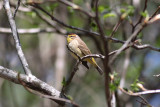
point(90, 60)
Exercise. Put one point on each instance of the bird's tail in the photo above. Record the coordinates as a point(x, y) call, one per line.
point(93, 62)
point(99, 70)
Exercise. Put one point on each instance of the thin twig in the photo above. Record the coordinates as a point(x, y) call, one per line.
point(155, 13)
point(141, 102)
point(50, 22)
point(18, 4)
point(60, 30)
point(139, 21)
point(125, 45)
point(125, 67)
point(144, 100)
point(157, 75)
point(153, 19)
point(16, 38)
point(115, 51)
point(140, 93)
point(116, 27)
point(62, 23)
point(141, 17)
point(145, 46)
point(76, 7)
point(137, 47)
point(67, 3)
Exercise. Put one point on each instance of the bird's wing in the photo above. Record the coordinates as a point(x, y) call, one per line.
point(83, 47)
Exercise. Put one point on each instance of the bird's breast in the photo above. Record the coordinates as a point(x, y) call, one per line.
point(73, 45)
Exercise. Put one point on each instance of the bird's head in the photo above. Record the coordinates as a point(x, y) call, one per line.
point(71, 37)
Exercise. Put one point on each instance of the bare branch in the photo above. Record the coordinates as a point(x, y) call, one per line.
point(125, 67)
point(50, 22)
point(137, 47)
point(114, 52)
point(16, 37)
point(36, 86)
point(157, 75)
point(59, 29)
point(140, 93)
point(139, 21)
point(35, 83)
point(143, 102)
point(141, 17)
point(145, 46)
point(155, 13)
point(106, 60)
point(18, 4)
point(153, 19)
point(67, 3)
point(116, 27)
point(125, 45)
point(76, 7)
point(62, 23)
point(27, 31)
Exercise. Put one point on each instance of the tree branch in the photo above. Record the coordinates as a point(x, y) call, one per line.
point(16, 37)
point(18, 4)
point(137, 47)
point(141, 17)
point(27, 31)
point(62, 23)
point(140, 93)
point(155, 13)
point(76, 7)
point(106, 60)
point(125, 45)
point(35, 83)
point(36, 86)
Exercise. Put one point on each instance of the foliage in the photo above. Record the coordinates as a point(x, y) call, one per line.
point(134, 86)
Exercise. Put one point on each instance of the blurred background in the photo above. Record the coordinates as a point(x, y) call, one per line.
point(50, 61)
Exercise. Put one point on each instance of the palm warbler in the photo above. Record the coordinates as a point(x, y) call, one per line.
point(80, 48)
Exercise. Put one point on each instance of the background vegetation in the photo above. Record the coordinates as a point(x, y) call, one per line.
point(43, 41)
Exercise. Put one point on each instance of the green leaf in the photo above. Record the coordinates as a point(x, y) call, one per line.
point(109, 15)
point(54, 5)
point(115, 81)
point(126, 89)
point(134, 86)
point(112, 87)
point(64, 81)
point(122, 10)
point(32, 14)
point(104, 8)
point(128, 11)
point(101, 8)
point(145, 14)
point(70, 9)
point(70, 97)
point(94, 26)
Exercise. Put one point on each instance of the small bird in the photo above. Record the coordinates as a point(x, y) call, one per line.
point(80, 48)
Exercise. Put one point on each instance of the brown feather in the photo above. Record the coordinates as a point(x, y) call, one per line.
point(83, 47)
